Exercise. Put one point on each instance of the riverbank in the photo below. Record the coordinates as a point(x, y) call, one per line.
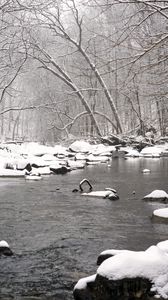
point(44, 160)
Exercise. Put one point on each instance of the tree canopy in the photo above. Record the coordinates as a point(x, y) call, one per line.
point(87, 68)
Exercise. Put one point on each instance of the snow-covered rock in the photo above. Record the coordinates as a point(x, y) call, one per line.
point(82, 283)
point(112, 195)
point(158, 195)
point(162, 213)
point(97, 159)
point(34, 177)
point(154, 151)
point(146, 171)
point(41, 171)
point(76, 164)
point(101, 149)
point(80, 156)
point(61, 150)
point(137, 274)
point(132, 153)
point(5, 249)
point(132, 264)
point(37, 161)
point(80, 146)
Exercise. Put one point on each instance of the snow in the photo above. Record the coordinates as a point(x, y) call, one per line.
point(41, 171)
point(80, 156)
point(113, 252)
point(145, 171)
point(98, 194)
point(82, 283)
point(4, 244)
point(157, 194)
point(101, 149)
point(132, 153)
point(76, 164)
point(80, 146)
point(33, 177)
point(153, 151)
point(151, 264)
point(35, 149)
point(162, 212)
point(163, 245)
point(49, 157)
point(94, 158)
point(11, 173)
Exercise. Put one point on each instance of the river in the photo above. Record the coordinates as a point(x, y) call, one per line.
point(56, 235)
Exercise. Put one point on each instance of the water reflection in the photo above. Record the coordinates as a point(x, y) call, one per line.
point(57, 235)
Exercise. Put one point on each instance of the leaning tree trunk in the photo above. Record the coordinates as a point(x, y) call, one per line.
point(62, 75)
point(102, 83)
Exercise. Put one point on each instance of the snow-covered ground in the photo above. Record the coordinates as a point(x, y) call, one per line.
point(15, 156)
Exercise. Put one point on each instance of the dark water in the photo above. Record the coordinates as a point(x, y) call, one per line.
point(57, 235)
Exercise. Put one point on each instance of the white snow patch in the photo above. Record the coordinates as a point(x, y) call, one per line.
point(4, 244)
point(41, 171)
point(162, 212)
point(154, 151)
point(94, 158)
point(132, 153)
point(11, 173)
point(80, 146)
point(113, 252)
point(98, 194)
point(82, 283)
point(163, 245)
point(146, 171)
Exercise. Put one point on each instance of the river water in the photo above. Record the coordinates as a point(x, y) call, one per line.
point(57, 235)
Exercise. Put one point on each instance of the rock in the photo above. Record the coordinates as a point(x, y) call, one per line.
point(83, 289)
point(60, 170)
point(103, 257)
point(113, 196)
point(5, 249)
point(157, 195)
point(128, 275)
point(124, 289)
point(80, 146)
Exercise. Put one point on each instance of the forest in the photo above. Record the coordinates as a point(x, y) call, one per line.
point(83, 68)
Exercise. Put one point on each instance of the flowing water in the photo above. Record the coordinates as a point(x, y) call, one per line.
point(57, 235)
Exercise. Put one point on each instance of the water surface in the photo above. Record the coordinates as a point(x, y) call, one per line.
point(57, 235)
